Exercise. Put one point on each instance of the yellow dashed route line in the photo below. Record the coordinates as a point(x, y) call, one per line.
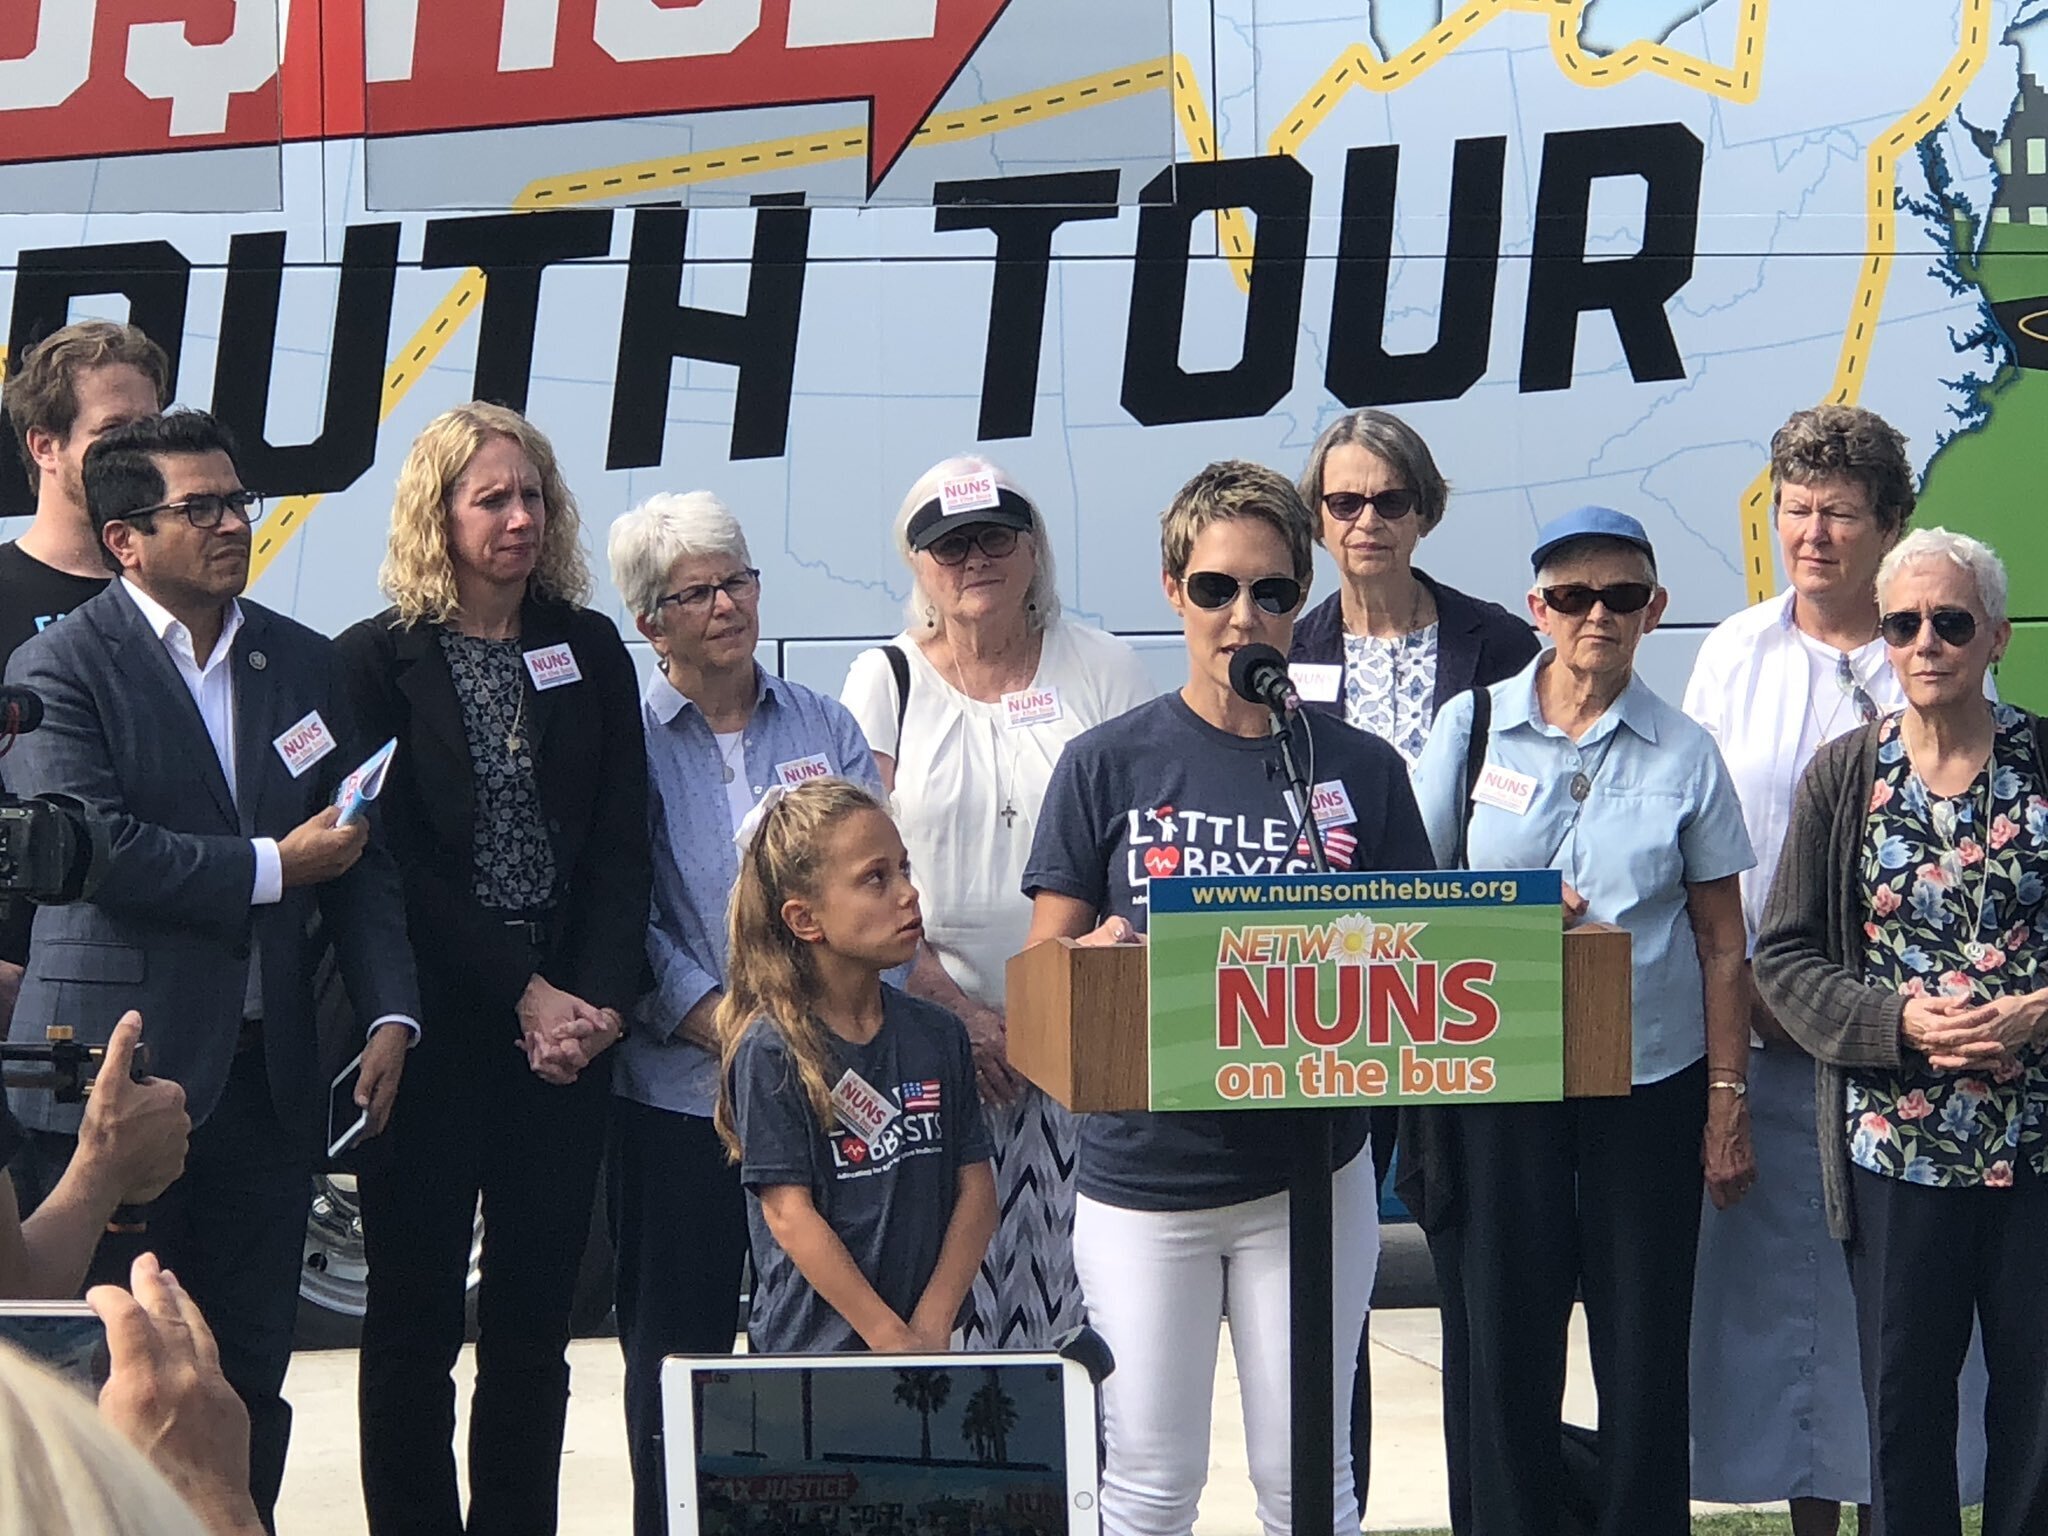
point(1881, 187)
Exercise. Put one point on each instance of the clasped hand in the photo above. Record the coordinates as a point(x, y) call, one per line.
point(1960, 1034)
point(561, 1033)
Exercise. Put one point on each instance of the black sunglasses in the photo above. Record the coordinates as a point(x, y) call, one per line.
point(1347, 506)
point(1955, 626)
point(992, 539)
point(207, 509)
point(1213, 589)
point(1575, 598)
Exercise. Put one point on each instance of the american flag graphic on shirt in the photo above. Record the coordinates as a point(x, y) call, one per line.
point(919, 1096)
point(1340, 846)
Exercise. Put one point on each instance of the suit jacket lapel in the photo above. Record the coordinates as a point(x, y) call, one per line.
point(259, 703)
point(540, 626)
point(136, 646)
point(439, 741)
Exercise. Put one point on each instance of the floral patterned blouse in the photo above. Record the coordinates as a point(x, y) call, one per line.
point(512, 858)
point(1390, 688)
point(1954, 887)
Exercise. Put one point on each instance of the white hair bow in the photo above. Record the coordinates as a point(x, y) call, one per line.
point(749, 829)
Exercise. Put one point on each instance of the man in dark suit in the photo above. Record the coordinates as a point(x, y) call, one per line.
point(210, 734)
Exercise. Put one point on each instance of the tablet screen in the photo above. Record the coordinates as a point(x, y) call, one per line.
point(888, 1447)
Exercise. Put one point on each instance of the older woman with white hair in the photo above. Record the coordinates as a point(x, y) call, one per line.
point(721, 730)
point(967, 711)
point(1901, 948)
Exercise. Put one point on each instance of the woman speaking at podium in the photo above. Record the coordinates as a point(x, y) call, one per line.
point(1191, 783)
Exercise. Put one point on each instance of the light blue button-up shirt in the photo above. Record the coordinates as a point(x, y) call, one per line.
point(690, 824)
point(1662, 815)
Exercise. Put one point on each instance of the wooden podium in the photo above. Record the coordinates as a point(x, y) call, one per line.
point(1077, 1025)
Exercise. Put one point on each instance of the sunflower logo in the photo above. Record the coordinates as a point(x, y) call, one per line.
point(1351, 939)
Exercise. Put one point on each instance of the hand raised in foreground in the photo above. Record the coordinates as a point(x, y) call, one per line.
point(132, 1137)
point(166, 1395)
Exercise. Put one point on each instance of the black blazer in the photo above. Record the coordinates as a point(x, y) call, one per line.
point(591, 764)
point(170, 928)
point(1477, 643)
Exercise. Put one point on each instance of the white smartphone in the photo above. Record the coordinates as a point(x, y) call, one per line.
point(845, 1445)
point(66, 1336)
point(346, 1120)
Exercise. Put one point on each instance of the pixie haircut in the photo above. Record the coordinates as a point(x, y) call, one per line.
point(1396, 444)
point(42, 384)
point(1846, 442)
point(122, 475)
point(418, 574)
point(645, 543)
point(1041, 598)
point(1234, 488)
point(1931, 546)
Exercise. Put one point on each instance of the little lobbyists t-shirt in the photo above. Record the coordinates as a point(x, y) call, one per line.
point(1160, 791)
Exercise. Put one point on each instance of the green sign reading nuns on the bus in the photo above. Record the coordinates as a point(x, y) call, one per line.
point(1324, 990)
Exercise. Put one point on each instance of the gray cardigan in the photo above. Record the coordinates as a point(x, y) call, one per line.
point(1809, 954)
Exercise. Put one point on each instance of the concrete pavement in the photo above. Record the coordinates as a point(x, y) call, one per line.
point(322, 1495)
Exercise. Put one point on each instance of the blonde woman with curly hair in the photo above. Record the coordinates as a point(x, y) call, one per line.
point(517, 810)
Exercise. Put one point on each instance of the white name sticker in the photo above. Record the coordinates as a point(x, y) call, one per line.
point(1032, 706)
point(1504, 789)
point(860, 1108)
point(802, 770)
point(968, 493)
point(552, 666)
point(1319, 682)
point(1332, 802)
point(305, 744)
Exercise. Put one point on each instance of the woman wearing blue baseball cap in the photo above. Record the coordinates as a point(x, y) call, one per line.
point(1588, 772)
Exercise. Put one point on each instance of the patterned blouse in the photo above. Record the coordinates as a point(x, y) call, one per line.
point(1390, 688)
point(1954, 888)
point(513, 860)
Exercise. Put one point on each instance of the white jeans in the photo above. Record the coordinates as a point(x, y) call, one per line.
point(1155, 1283)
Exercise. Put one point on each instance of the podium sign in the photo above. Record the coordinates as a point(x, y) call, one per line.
point(1320, 990)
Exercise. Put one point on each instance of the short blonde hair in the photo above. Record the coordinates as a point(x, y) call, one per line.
point(1234, 488)
point(1041, 598)
point(645, 543)
point(418, 573)
point(65, 1472)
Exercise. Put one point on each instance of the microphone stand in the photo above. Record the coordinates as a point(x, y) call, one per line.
point(1311, 1287)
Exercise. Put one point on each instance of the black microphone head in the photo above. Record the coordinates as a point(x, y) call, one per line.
point(21, 710)
point(1257, 673)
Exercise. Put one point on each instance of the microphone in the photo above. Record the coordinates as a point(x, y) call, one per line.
point(1259, 673)
point(21, 711)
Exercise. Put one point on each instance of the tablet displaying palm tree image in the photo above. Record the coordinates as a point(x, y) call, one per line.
point(889, 1445)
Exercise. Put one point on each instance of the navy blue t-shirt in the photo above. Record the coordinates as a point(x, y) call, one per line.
point(1162, 791)
point(887, 1189)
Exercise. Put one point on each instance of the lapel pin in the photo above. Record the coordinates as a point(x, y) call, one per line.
point(258, 661)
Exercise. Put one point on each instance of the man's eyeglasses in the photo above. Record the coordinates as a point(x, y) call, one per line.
point(1213, 589)
point(1348, 506)
point(206, 509)
point(992, 539)
point(1575, 598)
point(1955, 626)
point(1858, 695)
point(741, 587)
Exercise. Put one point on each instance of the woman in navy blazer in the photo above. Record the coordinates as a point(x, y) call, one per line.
point(1403, 642)
point(1395, 645)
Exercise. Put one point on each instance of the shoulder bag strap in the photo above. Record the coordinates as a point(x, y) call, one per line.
point(1475, 762)
point(899, 668)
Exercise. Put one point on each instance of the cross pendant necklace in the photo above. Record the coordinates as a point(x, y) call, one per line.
point(1009, 813)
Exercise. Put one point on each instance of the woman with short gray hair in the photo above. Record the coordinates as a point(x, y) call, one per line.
point(1391, 644)
point(967, 711)
point(721, 730)
point(1901, 948)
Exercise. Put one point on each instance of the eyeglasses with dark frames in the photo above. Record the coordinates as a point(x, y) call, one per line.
point(1574, 598)
point(206, 509)
point(1213, 589)
point(992, 539)
point(1349, 506)
point(1954, 626)
point(740, 587)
